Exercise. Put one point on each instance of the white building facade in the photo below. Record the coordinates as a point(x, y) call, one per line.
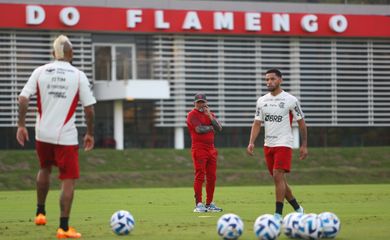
point(147, 59)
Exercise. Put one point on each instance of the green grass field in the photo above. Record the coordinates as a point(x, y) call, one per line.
point(166, 213)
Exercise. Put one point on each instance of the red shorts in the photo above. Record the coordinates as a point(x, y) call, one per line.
point(278, 158)
point(65, 157)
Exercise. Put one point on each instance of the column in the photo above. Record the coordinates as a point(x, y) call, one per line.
point(118, 124)
point(179, 138)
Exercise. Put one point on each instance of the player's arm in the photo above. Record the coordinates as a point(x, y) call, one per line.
point(28, 90)
point(89, 140)
point(303, 133)
point(87, 100)
point(22, 133)
point(255, 131)
point(214, 121)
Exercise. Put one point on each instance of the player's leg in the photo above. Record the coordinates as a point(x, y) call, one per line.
point(291, 199)
point(43, 186)
point(68, 163)
point(280, 191)
point(45, 152)
point(66, 199)
point(282, 165)
point(211, 177)
point(199, 157)
point(269, 157)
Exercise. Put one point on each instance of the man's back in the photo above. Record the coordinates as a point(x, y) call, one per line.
point(59, 86)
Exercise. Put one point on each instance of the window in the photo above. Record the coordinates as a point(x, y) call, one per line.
point(114, 62)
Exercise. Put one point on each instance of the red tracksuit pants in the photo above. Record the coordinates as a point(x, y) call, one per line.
point(205, 165)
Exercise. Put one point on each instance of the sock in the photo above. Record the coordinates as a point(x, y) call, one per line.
point(41, 209)
point(64, 223)
point(279, 208)
point(294, 204)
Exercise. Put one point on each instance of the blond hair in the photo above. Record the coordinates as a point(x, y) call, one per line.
point(58, 46)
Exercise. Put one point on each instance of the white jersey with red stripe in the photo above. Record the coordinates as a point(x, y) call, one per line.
point(59, 87)
point(277, 113)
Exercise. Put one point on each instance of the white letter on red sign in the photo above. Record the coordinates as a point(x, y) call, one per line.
point(338, 23)
point(35, 15)
point(309, 23)
point(159, 20)
point(69, 16)
point(133, 17)
point(252, 21)
point(223, 21)
point(281, 22)
point(192, 21)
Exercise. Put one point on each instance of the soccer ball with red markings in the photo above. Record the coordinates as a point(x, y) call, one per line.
point(230, 226)
point(122, 222)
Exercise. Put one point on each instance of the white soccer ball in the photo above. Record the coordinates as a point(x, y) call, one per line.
point(330, 224)
point(266, 227)
point(290, 224)
point(310, 227)
point(230, 226)
point(122, 222)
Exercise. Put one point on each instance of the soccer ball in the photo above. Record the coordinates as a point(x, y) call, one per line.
point(230, 226)
point(310, 227)
point(122, 222)
point(290, 224)
point(330, 224)
point(266, 227)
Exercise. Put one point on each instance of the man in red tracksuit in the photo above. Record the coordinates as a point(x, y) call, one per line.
point(202, 125)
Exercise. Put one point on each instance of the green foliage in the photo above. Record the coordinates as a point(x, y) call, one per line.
point(166, 213)
point(103, 168)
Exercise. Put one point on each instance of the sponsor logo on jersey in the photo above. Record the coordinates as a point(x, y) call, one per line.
point(50, 70)
point(273, 118)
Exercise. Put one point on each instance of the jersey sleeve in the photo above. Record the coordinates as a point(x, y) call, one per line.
point(86, 96)
point(259, 112)
point(30, 88)
point(296, 109)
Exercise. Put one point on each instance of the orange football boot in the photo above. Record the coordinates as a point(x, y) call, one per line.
point(71, 233)
point(40, 219)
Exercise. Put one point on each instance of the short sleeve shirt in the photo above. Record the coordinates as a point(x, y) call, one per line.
point(277, 113)
point(196, 118)
point(59, 88)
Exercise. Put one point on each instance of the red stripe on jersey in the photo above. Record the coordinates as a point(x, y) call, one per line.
point(72, 108)
point(39, 103)
point(291, 118)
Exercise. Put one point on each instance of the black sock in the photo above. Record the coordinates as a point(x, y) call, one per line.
point(279, 208)
point(41, 209)
point(64, 223)
point(294, 204)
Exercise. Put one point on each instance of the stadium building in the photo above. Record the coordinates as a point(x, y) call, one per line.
point(147, 59)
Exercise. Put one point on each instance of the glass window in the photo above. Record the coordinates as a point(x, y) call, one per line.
point(103, 62)
point(124, 63)
point(114, 62)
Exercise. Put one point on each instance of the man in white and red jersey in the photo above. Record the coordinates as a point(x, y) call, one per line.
point(276, 110)
point(59, 87)
point(202, 125)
